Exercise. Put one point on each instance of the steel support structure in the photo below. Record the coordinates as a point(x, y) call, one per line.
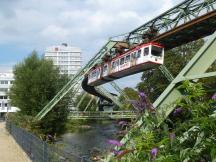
point(166, 73)
point(194, 70)
point(173, 26)
point(81, 100)
point(196, 18)
point(89, 103)
point(76, 79)
point(119, 90)
point(103, 91)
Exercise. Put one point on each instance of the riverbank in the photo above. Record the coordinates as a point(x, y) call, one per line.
point(9, 149)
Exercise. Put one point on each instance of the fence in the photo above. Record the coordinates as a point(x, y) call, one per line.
point(102, 115)
point(38, 150)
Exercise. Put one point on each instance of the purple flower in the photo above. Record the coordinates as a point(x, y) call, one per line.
point(139, 106)
point(177, 111)
point(115, 142)
point(154, 152)
point(122, 123)
point(117, 152)
point(142, 94)
point(214, 97)
point(142, 103)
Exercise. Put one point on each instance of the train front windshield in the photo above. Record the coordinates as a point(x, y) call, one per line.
point(156, 51)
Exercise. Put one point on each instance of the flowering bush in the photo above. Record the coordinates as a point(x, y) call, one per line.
point(187, 135)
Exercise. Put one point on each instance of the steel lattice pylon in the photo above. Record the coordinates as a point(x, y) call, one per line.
point(194, 17)
point(194, 70)
point(188, 13)
point(76, 79)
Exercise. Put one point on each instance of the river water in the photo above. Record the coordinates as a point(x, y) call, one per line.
point(81, 143)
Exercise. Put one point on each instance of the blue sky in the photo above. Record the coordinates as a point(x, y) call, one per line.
point(28, 25)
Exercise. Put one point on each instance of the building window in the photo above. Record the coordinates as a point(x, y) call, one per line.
point(3, 89)
point(3, 97)
point(4, 82)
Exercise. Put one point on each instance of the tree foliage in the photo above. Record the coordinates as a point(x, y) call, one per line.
point(131, 94)
point(36, 82)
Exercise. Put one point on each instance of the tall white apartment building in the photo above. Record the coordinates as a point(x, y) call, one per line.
point(67, 58)
point(6, 81)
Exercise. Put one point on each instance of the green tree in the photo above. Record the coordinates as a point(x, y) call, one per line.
point(154, 82)
point(36, 82)
point(131, 94)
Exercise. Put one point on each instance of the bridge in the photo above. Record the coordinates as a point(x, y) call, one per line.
point(102, 115)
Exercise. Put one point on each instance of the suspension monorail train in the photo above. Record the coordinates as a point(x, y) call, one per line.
point(142, 57)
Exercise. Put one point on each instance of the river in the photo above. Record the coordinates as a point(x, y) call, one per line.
point(82, 142)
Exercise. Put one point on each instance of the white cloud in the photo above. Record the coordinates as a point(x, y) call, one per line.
point(55, 32)
point(36, 24)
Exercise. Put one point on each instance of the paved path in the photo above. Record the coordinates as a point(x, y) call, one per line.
point(9, 149)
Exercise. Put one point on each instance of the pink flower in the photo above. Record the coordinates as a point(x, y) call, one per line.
point(117, 152)
point(177, 111)
point(142, 94)
point(214, 97)
point(115, 142)
point(122, 123)
point(154, 152)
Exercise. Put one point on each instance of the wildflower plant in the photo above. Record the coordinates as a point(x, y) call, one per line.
point(142, 103)
point(188, 135)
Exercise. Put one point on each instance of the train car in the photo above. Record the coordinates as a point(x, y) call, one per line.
point(106, 71)
point(94, 76)
point(143, 57)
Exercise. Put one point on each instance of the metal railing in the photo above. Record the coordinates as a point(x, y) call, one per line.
point(102, 115)
point(39, 150)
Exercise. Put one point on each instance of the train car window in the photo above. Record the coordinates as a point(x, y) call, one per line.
point(93, 74)
point(139, 53)
point(133, 56)
point(122, 61)
point(146, 51)
point(117, 62)
point(105, 68)
point(90, 76)
point(156, 51)
point(113, 65)
point(127, 59)
point(97, 73)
